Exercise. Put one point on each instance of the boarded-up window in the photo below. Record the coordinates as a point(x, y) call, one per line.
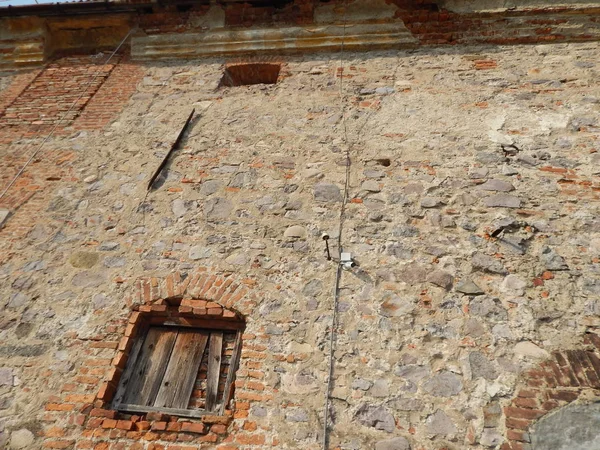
point(180, 371)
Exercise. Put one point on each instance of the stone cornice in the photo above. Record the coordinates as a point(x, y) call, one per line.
point(287, 39)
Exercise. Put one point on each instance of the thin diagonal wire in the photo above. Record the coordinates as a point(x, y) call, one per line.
point(20, 172)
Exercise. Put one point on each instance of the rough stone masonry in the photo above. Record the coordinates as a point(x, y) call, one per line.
point(473, 212)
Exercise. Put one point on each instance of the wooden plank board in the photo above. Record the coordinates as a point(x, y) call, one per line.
point(129, 368)
point(178, 382)
point(214, 369)
point(233, 366)
point(150, 366)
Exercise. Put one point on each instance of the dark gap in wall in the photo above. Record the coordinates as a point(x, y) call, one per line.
point(250, 73)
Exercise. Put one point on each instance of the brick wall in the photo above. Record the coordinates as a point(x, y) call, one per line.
point(32, 105)
point(111, 97)
point(16, 84)
point(59, 92)
point(434, 25)
point(69, 88)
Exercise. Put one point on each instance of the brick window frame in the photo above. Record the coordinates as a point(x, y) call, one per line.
point(177, 325)
point(84, 406)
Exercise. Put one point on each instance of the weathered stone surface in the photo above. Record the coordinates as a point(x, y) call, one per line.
point(361, 384)
point(313, 288)
point(439, 424)
point(380, 388)
point(496, 185)
point(482, 366)
point(513, 285)
point(210, 187)
point(100, 301)
point(17, 300)
point(413, 274)
point(22, 350)
point(441, 279)
point(412, 372)
point(6, 376)
point(328, 193)
point(108, 246)
point(552, 260)
point(491, 437)
point(295, 231)
point(376, 417)
point(399, 251)
point(502, 201)
point(488, 307)
point(243, 180)
point(473, 328)
point(296, 415)
point(406, 404)
point(199, 252)
point(488, 264)
point(245, 174)
point(218, 208)
point(573, 427)
point(468, 287)
point(179, 207)
point(238, 259)
point(530, 350)
point(394, 306)
point(443, 384)
point(22, 438)
point(398, 443)
point(34, 266)
point(114, 261)
point(371, 186)
point(88, 279)
point(478, 172)
point(431, 202)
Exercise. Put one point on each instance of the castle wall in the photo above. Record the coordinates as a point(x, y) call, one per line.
point(472, 212)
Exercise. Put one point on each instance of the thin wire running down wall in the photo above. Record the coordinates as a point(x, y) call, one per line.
point(338, 275)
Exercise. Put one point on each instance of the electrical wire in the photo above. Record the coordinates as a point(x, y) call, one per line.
point(84, 90)
point(338, 275)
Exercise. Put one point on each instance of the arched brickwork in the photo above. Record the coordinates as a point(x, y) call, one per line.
point(81, 411)
point(203, 283)
point(567, 376)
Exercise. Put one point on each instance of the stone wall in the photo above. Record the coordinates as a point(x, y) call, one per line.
point(473, 203)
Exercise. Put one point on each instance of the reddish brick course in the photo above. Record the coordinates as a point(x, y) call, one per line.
point(551, 385)
point(111, 97)
point(433, 25)
point(70, 88)
point(59, 92)
point(18, 84)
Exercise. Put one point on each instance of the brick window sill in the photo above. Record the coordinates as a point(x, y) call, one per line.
point(158, 422)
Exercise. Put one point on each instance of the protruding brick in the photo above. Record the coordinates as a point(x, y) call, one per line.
point(192, 427)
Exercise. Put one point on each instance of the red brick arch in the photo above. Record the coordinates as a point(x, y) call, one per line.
point(553, 384)
point(202, 283)
point(81, 413)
